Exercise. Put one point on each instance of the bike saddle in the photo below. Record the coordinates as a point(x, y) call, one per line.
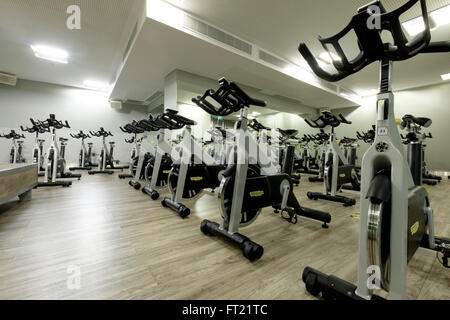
point(421, 121)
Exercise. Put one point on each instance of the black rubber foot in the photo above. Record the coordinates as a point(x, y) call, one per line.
point(429, 182)
point(347, 202)
point(135, 184)
point(80, 168)
point(125, 176)
point(92, 172)
point(69, 175)
point(251, 250)
point(432, 177)
point(180, 208)
point(154, 195)
point(329, 286)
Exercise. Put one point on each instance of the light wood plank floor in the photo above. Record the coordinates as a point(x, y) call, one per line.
point(128, 247)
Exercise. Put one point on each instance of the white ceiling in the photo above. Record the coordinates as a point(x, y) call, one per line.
point(95, 51)
point(279, 26)
point(159, 49)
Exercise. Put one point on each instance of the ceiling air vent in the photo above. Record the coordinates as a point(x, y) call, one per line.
point(8, 79)
point(130, 41)
point(135, 102)
point(116, 104)
point(212, 32)
point(267, 57)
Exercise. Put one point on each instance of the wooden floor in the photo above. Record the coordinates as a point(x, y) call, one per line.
point(128, 247)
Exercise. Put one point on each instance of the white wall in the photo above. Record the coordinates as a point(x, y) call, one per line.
point(284, 120)
point(84, 109)
point(202, 119)
point(431, 102)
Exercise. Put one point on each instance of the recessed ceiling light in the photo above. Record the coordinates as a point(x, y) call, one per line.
point(438, 17)
point(165, 12)
point(329, 57)
point(50, 53)
point(96, 85)
point(441, 16)
point(254, 113)
point(445, 76)
point(414, 26)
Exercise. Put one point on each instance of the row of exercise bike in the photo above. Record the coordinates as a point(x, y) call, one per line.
point(52, 163)
point(396, 217)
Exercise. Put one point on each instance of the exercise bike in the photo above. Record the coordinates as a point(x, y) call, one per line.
point(15, 155)
point(105, 159)
point(38, 149)
point(412, 139)
point(337, 170)
point(146, 153)
point(54, 165)
point(84, 159)
point(135, 149)
point(159, 167)
point(194, 171)
point(320, 143)
point(396, 213)
point(250, 182)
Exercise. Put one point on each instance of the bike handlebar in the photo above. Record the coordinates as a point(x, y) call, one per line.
point(371, 45)
point(229, 98)
point(101, 133)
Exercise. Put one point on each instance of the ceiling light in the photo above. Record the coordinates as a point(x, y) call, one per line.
point(254, 113)
point(438, 17)
point(441, 16)
point(96, 85)
point(329, 57)
point(50, 53)
point(166, 13)
point(445, 76)
point(414, 26)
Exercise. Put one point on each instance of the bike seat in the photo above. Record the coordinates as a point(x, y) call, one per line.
point(420, 121)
